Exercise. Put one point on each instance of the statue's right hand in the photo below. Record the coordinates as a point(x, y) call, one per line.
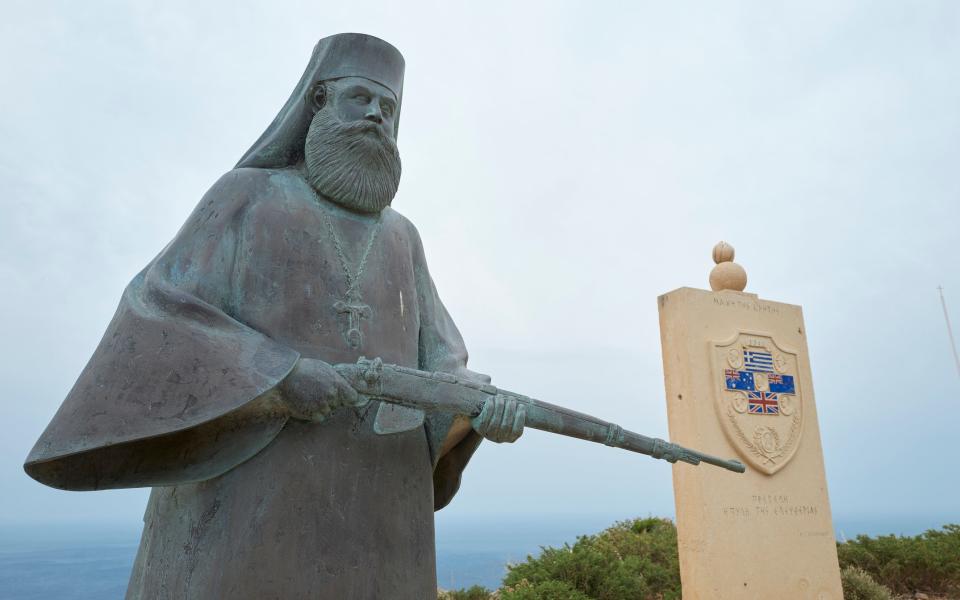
point(314, 389)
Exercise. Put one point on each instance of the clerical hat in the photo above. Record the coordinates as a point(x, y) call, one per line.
point(336, 56)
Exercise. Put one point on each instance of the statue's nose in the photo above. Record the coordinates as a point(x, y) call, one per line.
point(374, 114)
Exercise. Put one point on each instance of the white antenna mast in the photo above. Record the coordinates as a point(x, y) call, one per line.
point(946, 317)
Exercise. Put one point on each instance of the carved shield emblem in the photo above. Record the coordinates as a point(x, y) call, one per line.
point(759, 400)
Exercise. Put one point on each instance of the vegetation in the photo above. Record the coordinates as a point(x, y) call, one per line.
point(637, 560)
point(858, 585)
point(929, 562)
point(474, 593)
point(633, 559)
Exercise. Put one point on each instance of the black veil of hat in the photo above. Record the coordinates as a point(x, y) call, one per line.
point(341, 55)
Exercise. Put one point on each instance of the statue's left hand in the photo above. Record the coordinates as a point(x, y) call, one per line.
point(501, 419)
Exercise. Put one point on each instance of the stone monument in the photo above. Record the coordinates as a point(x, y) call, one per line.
point(738, 382)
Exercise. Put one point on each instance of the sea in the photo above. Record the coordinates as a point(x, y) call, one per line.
point(93, 561)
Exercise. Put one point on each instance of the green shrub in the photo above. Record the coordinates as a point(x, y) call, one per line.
point(544, 590)
point(637, 560)
point(633, 559)
point(858, 585)
point(474, 593)
point(929, 562)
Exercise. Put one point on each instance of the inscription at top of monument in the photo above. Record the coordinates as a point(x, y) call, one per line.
point(747, 304)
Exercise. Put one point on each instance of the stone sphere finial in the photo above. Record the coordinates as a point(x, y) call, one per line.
point(727, 275)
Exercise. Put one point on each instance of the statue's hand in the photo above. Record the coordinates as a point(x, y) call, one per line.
point(501, 419)
point(314, 389)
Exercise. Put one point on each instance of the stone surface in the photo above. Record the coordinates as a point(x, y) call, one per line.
point(767, 533)
point(723, 252)
point(727, 275)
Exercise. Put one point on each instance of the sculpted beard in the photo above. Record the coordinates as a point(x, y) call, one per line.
point(354, 164)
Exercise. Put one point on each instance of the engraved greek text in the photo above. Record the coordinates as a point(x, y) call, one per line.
point(758, 307)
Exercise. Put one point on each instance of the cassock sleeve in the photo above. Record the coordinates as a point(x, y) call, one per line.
point(177, 390)
point(441, 348)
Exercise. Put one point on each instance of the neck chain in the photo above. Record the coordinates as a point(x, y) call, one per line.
point(352, 307)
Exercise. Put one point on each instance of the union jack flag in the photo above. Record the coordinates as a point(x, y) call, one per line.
point(763, 403)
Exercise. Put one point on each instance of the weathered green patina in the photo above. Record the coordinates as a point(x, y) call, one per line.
point(213, 383)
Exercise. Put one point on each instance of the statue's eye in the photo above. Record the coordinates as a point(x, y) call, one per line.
point(387, 110)
point(362, 98)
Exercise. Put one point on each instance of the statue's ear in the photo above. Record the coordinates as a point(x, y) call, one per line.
point(317, 96)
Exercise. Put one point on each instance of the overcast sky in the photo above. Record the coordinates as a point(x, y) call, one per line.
point(565, 163)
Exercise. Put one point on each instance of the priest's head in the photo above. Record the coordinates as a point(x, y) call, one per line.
point(340, 124)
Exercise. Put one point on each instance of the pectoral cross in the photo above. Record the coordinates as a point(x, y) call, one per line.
point(355, 312)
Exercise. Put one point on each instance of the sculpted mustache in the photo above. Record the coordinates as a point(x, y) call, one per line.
point(361, 127)
point(355, 139)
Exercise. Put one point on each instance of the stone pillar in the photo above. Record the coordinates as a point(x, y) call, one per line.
point(738, 382)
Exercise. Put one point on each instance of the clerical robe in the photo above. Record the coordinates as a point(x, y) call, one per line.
point(181, 395)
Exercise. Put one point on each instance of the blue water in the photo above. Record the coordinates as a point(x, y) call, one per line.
point(93, 562)
point(88, 573)
point(89, 562)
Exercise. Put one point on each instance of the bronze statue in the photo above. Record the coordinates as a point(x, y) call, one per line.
point(224, 380)
point(213, 382)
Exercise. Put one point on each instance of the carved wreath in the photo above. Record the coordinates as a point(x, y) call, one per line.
point(757, 446)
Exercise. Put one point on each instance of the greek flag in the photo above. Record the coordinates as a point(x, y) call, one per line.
point(758, 361)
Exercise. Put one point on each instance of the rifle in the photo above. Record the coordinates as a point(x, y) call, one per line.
point(444, 392)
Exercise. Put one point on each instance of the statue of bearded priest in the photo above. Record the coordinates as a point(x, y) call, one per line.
point(213, 382)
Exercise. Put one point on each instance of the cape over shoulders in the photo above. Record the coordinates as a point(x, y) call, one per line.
point(173, 360)
point(170, 361)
